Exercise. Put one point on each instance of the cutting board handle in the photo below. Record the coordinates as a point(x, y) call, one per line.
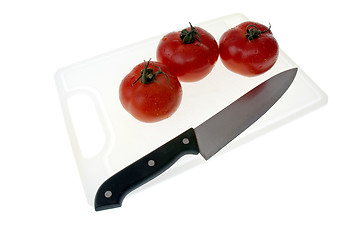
point(90, 134)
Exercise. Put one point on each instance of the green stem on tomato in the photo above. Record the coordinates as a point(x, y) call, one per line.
point(190, 36)
point(252, 31)
point(148, 76)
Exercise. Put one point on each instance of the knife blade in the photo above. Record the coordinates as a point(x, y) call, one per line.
point(207, 139)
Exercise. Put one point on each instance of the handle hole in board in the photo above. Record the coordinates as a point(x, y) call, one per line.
point(87, 125)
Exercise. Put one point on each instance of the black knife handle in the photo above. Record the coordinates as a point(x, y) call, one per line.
point(112, 192)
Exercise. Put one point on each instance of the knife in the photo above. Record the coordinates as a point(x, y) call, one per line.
point(207, 139)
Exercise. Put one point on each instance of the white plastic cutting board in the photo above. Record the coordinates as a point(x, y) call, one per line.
point(105, 138)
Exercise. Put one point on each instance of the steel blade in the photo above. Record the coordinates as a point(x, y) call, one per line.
point(213, 134)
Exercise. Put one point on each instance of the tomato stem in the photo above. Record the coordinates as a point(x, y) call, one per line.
point(190, 36)
point(147, 74)
point(252, 31)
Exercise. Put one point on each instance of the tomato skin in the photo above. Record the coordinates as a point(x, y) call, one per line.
point(248, 57)
point(151, 102)
point(189, 62)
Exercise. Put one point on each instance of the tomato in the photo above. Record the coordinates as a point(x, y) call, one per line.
point(150, 92)
point(190, 54)
point(248, 49)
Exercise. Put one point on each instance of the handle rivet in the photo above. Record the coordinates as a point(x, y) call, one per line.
point(108, 194)
point(185, 141)
point(151, 163)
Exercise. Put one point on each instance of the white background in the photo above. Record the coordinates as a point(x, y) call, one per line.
point(300, 181)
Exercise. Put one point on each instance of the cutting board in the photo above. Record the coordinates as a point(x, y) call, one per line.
point(105, 138)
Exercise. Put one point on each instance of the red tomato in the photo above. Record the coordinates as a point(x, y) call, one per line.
point(248, 49)
point(150, 92)
point(190, 54)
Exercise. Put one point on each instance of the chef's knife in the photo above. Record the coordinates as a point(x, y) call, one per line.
point(207, 139)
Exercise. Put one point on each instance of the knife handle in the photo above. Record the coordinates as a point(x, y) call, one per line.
point(112, 192)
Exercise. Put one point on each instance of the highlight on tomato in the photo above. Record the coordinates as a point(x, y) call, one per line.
point(248, 49)
point(150, 92)
point(190, 54)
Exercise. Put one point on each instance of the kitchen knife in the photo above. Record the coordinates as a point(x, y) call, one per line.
point(207, 139)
